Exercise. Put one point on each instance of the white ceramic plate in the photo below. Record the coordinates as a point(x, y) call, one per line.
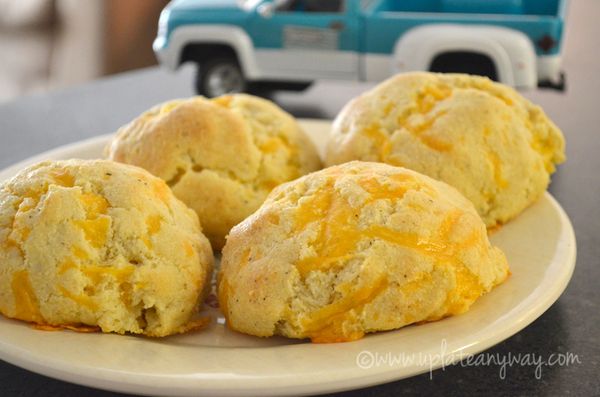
point(539, 244)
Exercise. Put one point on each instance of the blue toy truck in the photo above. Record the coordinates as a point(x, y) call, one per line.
point(291, 43)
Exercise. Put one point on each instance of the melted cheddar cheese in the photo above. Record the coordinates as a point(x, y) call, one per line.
point(338, 234)
point(26, 303)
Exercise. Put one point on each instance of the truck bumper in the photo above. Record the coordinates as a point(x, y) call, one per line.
point(560, 85)
point(164, 56)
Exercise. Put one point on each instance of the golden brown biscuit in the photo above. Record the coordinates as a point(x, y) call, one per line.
point(221, 157)
point(481, 137)
point(101, 244)
point(352, 249)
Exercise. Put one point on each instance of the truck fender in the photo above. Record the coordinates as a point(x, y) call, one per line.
point(229, 35)
point(511, 51)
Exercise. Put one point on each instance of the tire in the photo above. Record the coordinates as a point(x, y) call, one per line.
point(285, 85)
point(266, 89)
point(220, 77)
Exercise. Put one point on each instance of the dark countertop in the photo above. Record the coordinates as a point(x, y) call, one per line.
point(37, 123)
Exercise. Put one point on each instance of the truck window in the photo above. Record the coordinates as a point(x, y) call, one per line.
point(321, 6)
point(366, 4)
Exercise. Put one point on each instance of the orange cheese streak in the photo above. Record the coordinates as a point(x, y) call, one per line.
point(66, 266)
point(79, 253)
point(26, 303)
point(381, 140)
point(497, 167)
point(94, 204)
point(63, 178)
point(425, 102)
point(97, 273)
point(162, 190)
point(337, 234)
point(273, 144)
point(81, 299)
point(188, 248)
point(85, 329)
point(153, 224)
point(95, 228)
point(328, 321)
point(224, 100)
point(468, 289)
point(223, 297)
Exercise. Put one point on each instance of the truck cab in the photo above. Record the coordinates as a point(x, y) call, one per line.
point(308, 39)
point(240, 45)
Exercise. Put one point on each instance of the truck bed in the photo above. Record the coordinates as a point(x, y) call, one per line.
point(504, 7)
point(386, 20)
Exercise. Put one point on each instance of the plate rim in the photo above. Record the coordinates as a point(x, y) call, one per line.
point(116, 380)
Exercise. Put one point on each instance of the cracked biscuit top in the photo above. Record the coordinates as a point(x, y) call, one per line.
point(352, 249)
point(97, 243)
point(221, 157)
point(481, 137)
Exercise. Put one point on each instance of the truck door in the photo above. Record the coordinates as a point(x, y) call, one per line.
point(306, 39)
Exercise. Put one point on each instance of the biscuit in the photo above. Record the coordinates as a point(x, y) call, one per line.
point(221, 157)
point(353, 249)
point(98, 243)
point(481, 137)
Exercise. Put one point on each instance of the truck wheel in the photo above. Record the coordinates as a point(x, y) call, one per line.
point(219, 77)
point(266, 89)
